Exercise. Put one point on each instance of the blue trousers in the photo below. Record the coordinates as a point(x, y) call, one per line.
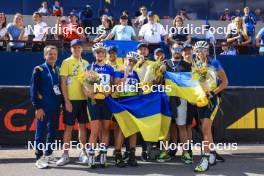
point(46, 132)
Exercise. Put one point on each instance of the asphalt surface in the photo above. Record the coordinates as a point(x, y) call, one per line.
point(248, 160)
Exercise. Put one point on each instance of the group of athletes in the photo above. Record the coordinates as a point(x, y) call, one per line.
point(52, 87)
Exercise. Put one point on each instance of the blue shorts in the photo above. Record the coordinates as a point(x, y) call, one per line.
point(210, 110)
point(99, 110)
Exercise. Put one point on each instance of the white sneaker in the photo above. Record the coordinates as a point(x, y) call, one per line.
point(41, 163)
point(83, 158)
point(65, 159)
point(212, 159)
point(50, 159)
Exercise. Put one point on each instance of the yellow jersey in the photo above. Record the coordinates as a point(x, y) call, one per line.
point(71, 67)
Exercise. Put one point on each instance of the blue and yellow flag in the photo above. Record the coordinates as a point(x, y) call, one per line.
point(148, 114)
point(182, 85)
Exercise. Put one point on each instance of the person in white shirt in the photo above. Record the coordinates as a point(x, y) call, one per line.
point(152, 32)
point(40, 31)
point(44, 10)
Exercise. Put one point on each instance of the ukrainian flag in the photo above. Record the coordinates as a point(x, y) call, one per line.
point(148, 114)
point(182, 85)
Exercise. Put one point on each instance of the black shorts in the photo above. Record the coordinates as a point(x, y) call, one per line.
point(79, 112)
point(210, 110)
point(174, 102)
point(191, 113)
point(99, 110)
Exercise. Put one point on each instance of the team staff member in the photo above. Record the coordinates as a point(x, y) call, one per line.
point(129, 79)
point(99, 112)
point(46, 99)
point(206, 114)
point(75, 101)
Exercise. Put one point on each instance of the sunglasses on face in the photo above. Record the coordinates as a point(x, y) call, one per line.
point(199, 50)
point(177, 49)
point(143, 9)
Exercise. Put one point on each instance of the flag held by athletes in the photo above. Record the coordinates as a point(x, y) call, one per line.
point(148, 114)
point(182, 85)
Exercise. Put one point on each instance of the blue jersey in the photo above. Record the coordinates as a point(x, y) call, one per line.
point(131, 83)
point(261, 34)
point(215, 64)
point(44, 80)
point(106, 72)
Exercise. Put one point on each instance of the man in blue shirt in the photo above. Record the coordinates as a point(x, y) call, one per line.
point(260, 40)
point(122, 31)
point(250, 22)
point(46, 99)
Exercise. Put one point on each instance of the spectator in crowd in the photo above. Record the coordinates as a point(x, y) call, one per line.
point(178, 33)
point(227, 50)
point(103, 19)
point(159, 54)
point(71, 30)
point(86, 16)
point(57, 9)
point(129, 22)
point(239, 37)
point(122, 31)
point(259, 15)
point(17, 31)
point(250, 22)
point(40, 31)
point(184, 15)
point(106, 27)
point(142, 19)
point(237, 13)
point(3, 30)
point(225, 16)
point(260, 41)
point(44, 10)
point(152, 32)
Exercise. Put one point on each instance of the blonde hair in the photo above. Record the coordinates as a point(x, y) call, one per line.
point(16, 16)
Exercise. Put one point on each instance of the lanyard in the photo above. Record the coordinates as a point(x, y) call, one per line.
point(175, 66)
point(51, 79)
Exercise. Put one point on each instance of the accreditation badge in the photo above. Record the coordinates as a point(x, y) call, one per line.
point(56, 90)
point(68, 81)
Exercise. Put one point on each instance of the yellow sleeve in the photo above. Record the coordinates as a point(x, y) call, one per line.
point(64, 70)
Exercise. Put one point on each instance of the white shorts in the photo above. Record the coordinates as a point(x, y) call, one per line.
point(182, 113)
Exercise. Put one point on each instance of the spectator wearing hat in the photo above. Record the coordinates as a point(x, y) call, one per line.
point(122, 31)
point(129, 22)
point(159, 54)
point(225, 16)
point(228, 51)
point(152, 32)
point(71, 30)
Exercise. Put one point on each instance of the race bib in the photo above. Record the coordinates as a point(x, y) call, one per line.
point(105, 79)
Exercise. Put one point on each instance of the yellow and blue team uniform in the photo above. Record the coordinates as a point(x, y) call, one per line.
point(211, 109)
point(45, 94)
point(98, 108)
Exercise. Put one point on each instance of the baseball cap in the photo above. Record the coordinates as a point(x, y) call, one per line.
point(76, 42)
point(186, 46)
point(123, 17)
point(142, 45)
point(72, 14)
point(150, 13)
point(158, 50)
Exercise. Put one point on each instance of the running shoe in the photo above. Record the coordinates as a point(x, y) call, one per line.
point(163, 157)
point(65, 159)
point(41, 163)
point(203, 165)
point(186, 158)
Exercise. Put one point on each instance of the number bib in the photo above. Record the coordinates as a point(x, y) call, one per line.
point(105, 79)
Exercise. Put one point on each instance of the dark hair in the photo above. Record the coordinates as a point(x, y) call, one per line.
point(110, 23)
point(37, 13)
point(4, 24)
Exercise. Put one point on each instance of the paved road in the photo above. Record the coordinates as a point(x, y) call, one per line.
point(247, 160)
